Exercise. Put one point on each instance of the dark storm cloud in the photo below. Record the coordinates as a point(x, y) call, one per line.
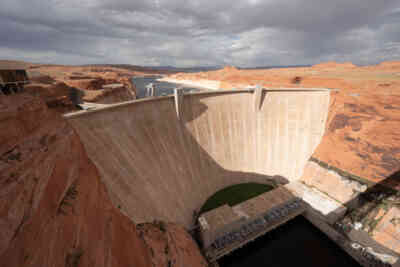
point(199, 32)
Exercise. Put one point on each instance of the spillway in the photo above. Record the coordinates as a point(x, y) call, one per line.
point(161, 158)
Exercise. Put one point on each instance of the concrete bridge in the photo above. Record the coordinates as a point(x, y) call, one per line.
point(162, 158)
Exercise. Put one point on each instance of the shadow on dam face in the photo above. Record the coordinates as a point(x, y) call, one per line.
point(157, 166)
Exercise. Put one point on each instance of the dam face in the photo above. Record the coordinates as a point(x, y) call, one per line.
point(157, 165)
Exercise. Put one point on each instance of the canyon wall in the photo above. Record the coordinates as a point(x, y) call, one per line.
point(54, 209)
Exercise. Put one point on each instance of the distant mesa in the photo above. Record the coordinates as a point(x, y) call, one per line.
point(14, 64)
point(333, 64)
point(390, 64)
point(230, 68)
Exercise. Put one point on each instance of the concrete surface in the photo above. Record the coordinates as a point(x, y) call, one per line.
point(329, 208)
point(156, 166)
point(331, 183)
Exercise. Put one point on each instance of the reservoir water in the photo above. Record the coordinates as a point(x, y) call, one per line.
point(162, 88)
point(296, 243)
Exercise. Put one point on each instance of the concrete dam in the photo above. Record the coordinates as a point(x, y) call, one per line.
point(162, 158)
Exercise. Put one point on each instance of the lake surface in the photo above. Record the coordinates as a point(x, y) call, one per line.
point(162, 88)
point(296, 243)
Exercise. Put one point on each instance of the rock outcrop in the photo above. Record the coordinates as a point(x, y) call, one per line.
point(109, 96)
point(63, 87)
point(57, 95)
point(87, 83)
point(103, 87)
point(170, 245)
point(54, 210)
point(120, 90)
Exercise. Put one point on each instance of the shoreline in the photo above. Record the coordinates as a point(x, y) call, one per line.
point(201, 84)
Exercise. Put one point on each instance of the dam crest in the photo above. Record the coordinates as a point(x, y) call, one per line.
point(162, 157)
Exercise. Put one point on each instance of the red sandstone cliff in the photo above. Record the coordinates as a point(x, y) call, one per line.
point(54, 210)
point(57, 95)
point(122, 90)
point(170, 245)
point(63, 88)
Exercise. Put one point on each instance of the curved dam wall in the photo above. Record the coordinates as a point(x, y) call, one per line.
point(159, 166)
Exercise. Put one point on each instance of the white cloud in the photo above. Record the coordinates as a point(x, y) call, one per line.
point(200, 32)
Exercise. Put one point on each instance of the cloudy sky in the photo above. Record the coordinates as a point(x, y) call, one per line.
point(200, 32)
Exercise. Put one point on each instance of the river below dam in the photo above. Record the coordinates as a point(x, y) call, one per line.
point(161, 88)
point(296, 243)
